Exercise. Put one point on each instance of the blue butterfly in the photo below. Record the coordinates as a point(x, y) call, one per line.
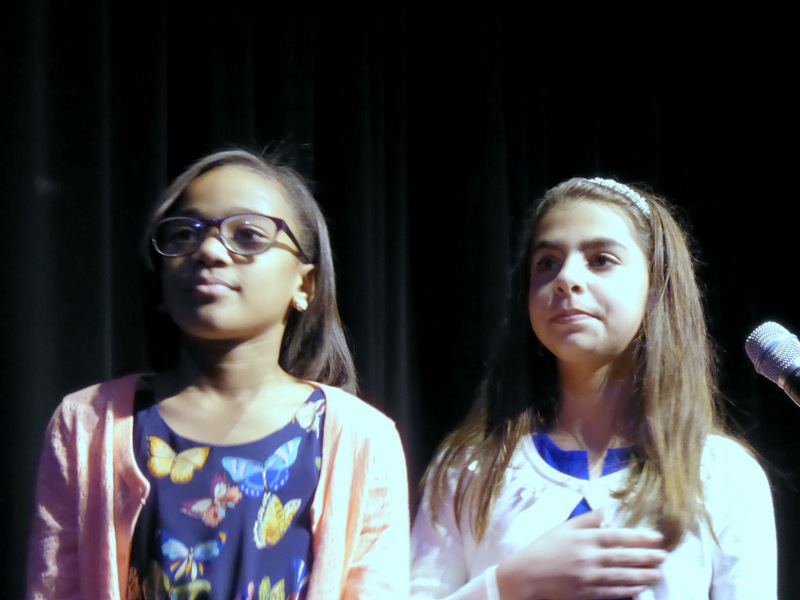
point(188, 561)
point(254, 478)
point(301, 574)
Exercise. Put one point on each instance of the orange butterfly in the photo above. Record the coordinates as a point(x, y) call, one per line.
point(213, 508)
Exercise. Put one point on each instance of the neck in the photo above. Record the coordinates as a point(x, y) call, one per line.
point(229, 367)
point(228, 393)
point(594, 407)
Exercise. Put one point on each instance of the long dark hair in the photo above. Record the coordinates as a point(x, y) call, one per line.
point(314, 346)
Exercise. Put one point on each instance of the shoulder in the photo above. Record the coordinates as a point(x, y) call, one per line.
point(88, 406)
point(722, 451)
point(357, 436)
point(101, 394)
point(348, 412)
point(86, 421)
point(728, 464)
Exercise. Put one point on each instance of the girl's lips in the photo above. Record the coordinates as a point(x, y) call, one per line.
point(571, 316)
point(210, 285)
point(211, 289)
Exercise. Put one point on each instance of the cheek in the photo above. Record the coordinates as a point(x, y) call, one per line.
point(277, 277)
point(172, 270)
point(174, 299)
point(536, 308)
point(643, 289)
point(270, 290)
point(169, 282)
point(637, 294)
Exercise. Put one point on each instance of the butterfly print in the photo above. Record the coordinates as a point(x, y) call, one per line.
point(180, 467)
point(274, 519)
point(254, 478)
point(193, 590)
point(265, 591)
point(212, 510)
point(189, 561)
point(300, 578)
point(275, 592)
point(309, 415)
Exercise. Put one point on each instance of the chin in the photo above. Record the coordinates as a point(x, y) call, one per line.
point(209, 334)
point(204, 326)
point(580, 351)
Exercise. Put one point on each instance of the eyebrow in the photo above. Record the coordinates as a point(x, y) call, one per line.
point(234, 210)
point(590, 244)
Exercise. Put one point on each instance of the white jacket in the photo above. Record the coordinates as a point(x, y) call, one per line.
point(536, 497)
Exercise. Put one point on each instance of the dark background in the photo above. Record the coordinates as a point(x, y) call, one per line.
point(427, 133)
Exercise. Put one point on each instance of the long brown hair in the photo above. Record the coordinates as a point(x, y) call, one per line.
point(314, 346)
point(673, 403)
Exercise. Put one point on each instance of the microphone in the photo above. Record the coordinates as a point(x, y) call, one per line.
point(775, 353)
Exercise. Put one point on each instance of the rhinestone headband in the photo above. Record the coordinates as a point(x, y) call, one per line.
point(629, 193)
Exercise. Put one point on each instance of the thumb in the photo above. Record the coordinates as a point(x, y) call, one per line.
point(589, 520)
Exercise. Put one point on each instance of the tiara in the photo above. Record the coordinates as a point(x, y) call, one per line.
point(629, 193)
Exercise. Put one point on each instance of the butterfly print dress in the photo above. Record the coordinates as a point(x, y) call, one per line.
point(225, 522)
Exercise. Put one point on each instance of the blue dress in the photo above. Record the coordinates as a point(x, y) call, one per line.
point(225, 522)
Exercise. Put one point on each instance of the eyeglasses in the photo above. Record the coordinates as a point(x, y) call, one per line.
point(241, 234)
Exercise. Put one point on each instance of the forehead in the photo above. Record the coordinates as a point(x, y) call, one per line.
point(581, 219)
point(233, 189)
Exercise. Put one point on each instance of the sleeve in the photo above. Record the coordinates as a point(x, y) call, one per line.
point(439, 558)
point(742, 516)
point(53, 572)
point(379, 569)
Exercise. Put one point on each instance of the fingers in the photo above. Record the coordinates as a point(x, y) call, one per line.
point(632, 558)
point(615, 537)
point(605, 593)
point(580, 560)
point(589, 520)
point(629, 538)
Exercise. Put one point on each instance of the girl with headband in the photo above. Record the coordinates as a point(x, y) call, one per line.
point(592, 464)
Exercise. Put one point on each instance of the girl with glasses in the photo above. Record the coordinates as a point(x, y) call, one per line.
point(592, 464)
point(243, 467)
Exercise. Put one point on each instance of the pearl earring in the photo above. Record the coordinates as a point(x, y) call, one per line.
point(300, 304)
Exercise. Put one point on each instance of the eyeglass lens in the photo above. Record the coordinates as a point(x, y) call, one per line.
point(243, 234)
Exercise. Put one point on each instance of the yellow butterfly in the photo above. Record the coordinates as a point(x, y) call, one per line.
point(276, 592)
point(274, 519)
point(180, 467)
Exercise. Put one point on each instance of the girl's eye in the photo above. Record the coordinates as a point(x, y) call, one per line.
point(250, 236)
point(183, 234)
point(250, 233)
point(544, 264)
point(602, 260)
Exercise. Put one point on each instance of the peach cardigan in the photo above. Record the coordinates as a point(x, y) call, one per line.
point(90, 492)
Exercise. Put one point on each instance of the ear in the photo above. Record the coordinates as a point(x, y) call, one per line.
point(305, 288)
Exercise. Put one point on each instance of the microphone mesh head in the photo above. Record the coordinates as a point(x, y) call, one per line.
point(774, 351)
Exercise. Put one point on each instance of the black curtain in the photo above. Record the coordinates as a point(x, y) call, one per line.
point(427, 134)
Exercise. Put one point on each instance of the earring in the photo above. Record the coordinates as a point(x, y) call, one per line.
point(300, 304)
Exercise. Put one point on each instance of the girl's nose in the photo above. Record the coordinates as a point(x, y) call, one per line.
point(211, 250)
point(570, 278)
